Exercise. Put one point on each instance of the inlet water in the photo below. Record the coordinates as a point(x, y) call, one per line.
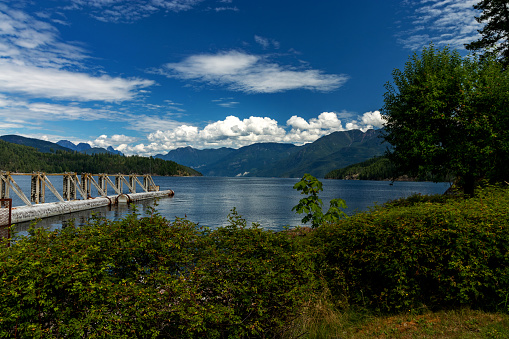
point(267, 201)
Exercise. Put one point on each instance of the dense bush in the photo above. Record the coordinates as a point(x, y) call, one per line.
point(147, 277)
point(436, 255)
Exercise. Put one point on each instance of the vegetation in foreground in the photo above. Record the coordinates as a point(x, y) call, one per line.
point(24, 159)
point(413, 266)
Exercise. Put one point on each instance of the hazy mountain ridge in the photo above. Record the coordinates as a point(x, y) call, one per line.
point(333, 151)
point(62, 145)
point(86, 148)
point(40, 145)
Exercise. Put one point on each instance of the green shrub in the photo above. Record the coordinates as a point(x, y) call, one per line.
point(148, 277)
point(436, 255)
point(312, 204)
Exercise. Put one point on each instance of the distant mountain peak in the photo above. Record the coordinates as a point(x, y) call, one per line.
point(270, 159)
point(67, 143)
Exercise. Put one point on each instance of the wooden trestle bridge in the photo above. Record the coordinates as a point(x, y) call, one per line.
point(69, 200)
point(72, 185)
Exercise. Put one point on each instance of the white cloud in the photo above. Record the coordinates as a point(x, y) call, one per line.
point(372, 119)
point(226, 8)
point(115, 140)
point(443, 22)
point(250, 73)
point(60, 84)
point(266, 42)
point(235, 132)
point(226, 102)
point(27, 41)
point(35, 62)
point(130, 10)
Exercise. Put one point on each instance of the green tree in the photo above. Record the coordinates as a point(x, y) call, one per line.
point(495, 34)
point(312, 204)
point(448, 115)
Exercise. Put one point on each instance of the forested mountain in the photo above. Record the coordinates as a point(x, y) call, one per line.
point(378, 168)
point(196, 158)
point(40, 145)
point(252, 160)
point(51, 147)
point(336, 150)
point(24, 159)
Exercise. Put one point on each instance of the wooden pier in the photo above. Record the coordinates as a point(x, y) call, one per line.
point(72, 185)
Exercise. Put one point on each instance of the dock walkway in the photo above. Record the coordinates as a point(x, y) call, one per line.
point(68, 201)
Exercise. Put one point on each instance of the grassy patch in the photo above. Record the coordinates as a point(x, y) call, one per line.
point(323, 321)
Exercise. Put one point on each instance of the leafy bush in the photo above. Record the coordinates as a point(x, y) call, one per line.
point(148, 277)
point(436, 255)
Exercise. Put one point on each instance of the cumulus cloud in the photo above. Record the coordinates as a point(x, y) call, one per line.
point(443, 22)
point(249, 73)
point(114, 141)
point(235, 132)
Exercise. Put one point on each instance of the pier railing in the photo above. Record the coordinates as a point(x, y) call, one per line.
point(72, 185)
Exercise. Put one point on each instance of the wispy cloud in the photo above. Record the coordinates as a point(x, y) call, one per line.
point(25, 40)
point(15, 110)
point(130, 10)
point(226, 102)
point(266, 42)
point(36, 62)
point(443, 22)
point(60, 84)
point(250, 73)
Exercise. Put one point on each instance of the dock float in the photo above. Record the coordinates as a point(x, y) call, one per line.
point(40, 211)
point(68, 202)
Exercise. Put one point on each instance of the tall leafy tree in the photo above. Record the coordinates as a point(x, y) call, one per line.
point(495, 34)
point(448, 115)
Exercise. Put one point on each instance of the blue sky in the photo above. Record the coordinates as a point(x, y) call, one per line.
point(149, 76)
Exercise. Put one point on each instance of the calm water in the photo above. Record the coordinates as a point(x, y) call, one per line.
point(268, 201)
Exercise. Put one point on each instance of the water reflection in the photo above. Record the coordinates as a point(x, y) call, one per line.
point(115, 212)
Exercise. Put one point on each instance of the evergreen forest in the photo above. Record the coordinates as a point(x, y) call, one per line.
point(24, 159)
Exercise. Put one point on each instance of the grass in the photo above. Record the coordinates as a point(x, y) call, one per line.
point(322, 321)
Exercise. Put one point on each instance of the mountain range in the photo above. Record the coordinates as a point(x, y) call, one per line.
point(62, 145)
point(330, 152)
point(86, 148)
point(333, 151)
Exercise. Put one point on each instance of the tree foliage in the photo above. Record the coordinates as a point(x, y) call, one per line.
point(312, 204)
point(495, 33)
point(377, 168)
point(24, 159)
point(449, 115)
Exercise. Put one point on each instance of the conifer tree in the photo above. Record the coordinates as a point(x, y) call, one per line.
point(495, 34)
